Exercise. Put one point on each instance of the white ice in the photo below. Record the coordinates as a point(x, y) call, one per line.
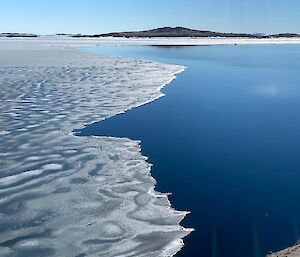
point(62, 195)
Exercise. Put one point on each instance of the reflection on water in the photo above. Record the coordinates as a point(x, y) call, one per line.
point(271, 90)
point(225, 141)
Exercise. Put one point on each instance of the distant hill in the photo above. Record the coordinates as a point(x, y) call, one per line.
point(184, 32)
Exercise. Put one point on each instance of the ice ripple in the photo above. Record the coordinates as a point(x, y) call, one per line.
point(62, 195)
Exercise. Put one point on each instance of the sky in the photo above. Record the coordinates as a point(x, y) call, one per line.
point(101, 16)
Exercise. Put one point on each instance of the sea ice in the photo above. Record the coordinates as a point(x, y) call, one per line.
point(62, 195)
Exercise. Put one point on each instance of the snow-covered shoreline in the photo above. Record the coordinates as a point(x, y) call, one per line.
point(81, 42)
point(289, 252)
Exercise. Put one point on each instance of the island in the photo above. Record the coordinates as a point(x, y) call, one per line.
point(186, 32)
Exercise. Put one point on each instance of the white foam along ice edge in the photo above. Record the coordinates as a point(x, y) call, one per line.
point(62, 195)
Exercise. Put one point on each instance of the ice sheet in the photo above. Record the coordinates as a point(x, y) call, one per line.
point(62, 195)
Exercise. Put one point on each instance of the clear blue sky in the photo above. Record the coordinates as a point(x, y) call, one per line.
point(99, 16)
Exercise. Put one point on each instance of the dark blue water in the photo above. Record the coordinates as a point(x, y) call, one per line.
point(226, 142)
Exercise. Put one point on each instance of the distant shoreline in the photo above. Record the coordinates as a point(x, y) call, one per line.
point(17, 35)
point(166, 32)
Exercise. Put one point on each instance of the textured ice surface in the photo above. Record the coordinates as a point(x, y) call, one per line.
point(62, 195)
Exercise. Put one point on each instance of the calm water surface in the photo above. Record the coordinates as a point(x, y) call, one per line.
point(225, 140)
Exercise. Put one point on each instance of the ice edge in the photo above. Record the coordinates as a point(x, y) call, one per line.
point(178, 244)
